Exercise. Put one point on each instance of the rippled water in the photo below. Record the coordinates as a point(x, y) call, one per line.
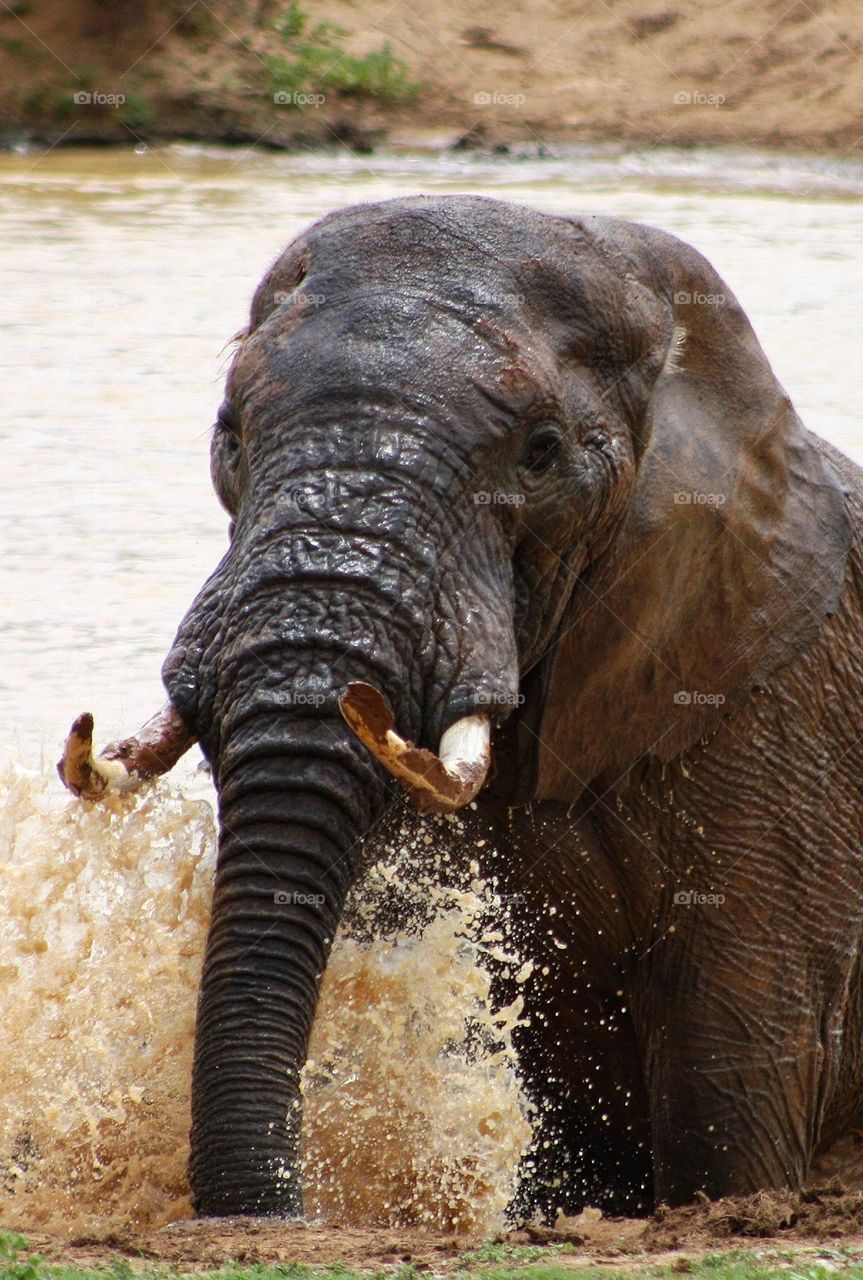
point(123, 276)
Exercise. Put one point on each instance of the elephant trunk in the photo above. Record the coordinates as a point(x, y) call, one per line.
point(309, 602)
point(294, 807)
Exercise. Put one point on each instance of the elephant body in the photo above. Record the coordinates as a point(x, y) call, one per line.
point(537, 472)
point(711, 982)
point(694, 1019)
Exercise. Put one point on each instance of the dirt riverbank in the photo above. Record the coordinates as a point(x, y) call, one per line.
point(747, 73)
point(800, 1227)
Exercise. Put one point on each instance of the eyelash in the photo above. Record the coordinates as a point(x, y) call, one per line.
point(228, 428)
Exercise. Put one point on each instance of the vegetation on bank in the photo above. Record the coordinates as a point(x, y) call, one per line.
point(488, 1262)
point(268, 70)
point(479, 75)
point(314, 61)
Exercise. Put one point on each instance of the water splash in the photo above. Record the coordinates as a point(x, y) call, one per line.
point(413, 1110)
point(105, 909)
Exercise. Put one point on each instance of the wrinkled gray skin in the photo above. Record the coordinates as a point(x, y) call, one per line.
point(668, 576)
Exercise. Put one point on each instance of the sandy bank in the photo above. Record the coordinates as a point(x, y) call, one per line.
point(745, 73)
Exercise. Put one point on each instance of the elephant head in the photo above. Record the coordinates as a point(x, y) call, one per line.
point(482, 465)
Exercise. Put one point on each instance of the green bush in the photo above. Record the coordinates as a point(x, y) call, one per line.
point(315, 60)
point(135, 112)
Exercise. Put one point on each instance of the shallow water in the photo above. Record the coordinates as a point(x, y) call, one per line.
point(128, 273)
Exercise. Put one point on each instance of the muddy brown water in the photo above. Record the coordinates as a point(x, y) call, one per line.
point(123, 275)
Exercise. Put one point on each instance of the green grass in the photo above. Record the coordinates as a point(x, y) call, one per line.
point(12, 44)
point(315, 60)
point(487, 1262)
point(743, 1264)
point(86, 78)
point(135, 112)
point(733, 1265)
point(492, 1251)
point(47, 103)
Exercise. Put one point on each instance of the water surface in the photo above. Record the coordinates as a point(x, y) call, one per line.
point(124, 274)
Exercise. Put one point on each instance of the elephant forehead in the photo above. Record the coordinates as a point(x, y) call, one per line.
point(463, 250)
point(357, 402)
point(369, 350)
point(466, 315)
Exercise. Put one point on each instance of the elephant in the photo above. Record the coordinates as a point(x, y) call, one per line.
point(524, 526)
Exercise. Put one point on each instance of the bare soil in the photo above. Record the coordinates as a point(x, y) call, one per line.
point(767, 73)
point(670, 1236)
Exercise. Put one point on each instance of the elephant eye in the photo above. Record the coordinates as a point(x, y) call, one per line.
point(543, 451)
point(228, 427)
point(227, 419)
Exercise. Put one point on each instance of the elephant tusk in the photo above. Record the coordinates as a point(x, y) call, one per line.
point(123, 765)
point(437, 783)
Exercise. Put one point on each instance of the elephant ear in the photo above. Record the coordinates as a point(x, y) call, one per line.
point(730, 556)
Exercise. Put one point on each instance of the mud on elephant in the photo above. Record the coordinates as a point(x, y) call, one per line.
point(496, 475)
